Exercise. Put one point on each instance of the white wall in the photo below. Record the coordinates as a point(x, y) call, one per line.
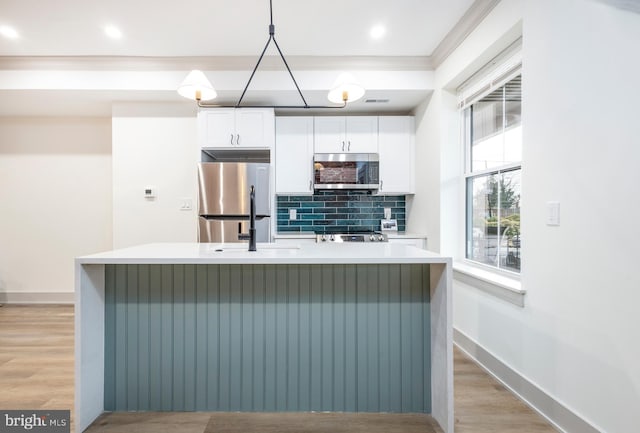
point(577, 336)
point(55, 202)
point(581, 277)
point(154, 144)
point(423, 217)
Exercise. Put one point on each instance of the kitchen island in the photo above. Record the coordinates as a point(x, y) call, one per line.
point(214, 327)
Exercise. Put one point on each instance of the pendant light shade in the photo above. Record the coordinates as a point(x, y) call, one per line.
point(345, 89)
point(196, 86)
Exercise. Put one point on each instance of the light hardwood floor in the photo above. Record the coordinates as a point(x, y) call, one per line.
point(36, 357)
point(36, 372)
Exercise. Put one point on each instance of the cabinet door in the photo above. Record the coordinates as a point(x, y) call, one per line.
point(254, 127)
point(362, 134)
point(294, 155)
point(329, 134)
point(216, 127)
point(416, 242)
point(397, 155)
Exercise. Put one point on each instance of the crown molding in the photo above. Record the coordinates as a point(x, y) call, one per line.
point(627, 5)
point(215, 63)
point(469, 21)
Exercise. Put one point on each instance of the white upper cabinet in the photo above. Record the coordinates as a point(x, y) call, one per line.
point(216, 127)
point(294, 155)
point(255, 127)
point(329, 134)
point(352, 134)
point(236, 127)
point(396, 146)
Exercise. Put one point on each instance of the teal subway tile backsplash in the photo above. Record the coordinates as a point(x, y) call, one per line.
point(338, 211)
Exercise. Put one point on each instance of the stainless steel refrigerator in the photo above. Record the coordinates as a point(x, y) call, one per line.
point(224, 203)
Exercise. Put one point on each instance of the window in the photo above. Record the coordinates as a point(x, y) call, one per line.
point(493, 145)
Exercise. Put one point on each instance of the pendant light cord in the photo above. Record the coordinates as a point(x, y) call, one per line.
point(272, 32)
point(271, 11)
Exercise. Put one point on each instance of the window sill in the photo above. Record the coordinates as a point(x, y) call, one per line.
point(503, 287)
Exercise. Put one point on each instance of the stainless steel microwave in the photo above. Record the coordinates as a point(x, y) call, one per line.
point(346, 171)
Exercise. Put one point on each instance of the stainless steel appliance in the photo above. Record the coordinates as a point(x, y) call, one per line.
point(346, 171)
point(224, 201)
point(366, 236)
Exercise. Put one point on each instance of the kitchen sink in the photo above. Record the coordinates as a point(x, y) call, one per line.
point(236, 248)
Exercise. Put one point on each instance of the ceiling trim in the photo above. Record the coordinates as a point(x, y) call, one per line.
point(469, 21)
point(216, 63)
point(628, 5)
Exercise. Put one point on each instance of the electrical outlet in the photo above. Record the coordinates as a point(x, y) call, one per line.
point(387, 213)
point(293, 214)
point(186, 203)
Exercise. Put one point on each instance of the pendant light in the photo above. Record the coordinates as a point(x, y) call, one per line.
point(346, 88)
point(196, 86)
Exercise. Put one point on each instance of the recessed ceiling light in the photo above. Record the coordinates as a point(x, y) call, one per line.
point(9, 32)
point(113, 32)
point(377, 31)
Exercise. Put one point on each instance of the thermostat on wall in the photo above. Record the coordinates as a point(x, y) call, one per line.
point(149, 192)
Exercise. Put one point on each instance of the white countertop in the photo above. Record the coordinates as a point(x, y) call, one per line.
point(311, 235)
point(268, 253)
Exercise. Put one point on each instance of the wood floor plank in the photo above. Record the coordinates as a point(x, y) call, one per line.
point(36, 357)
point(321, 422)
point(482, 404)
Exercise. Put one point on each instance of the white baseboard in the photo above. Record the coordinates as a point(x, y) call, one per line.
point(37, 297)
point(555, 412)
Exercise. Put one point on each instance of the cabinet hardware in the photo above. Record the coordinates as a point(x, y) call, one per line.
point(310, 185)
point(343, 146)
point(349, 147)
point(232, 139)
point(238, 140)
point(381, 183)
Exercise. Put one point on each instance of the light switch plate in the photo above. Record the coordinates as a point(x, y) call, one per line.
point(293, 214)
point(553, 213)
point(387, 213)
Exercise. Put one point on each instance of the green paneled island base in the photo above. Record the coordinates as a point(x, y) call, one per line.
point(213, 327)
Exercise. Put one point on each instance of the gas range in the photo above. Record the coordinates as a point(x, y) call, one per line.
point(367, 236)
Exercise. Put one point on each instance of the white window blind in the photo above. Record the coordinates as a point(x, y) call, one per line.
point(501, 69)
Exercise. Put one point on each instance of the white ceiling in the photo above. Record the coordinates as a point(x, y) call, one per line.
point(335, 32)
point(227, 27)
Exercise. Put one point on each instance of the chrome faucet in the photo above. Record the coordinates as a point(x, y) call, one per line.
point(251, 236)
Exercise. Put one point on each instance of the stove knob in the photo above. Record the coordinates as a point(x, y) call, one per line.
point(332, 238)
point(380, 238)
point(372, 238)
point(323, 238)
